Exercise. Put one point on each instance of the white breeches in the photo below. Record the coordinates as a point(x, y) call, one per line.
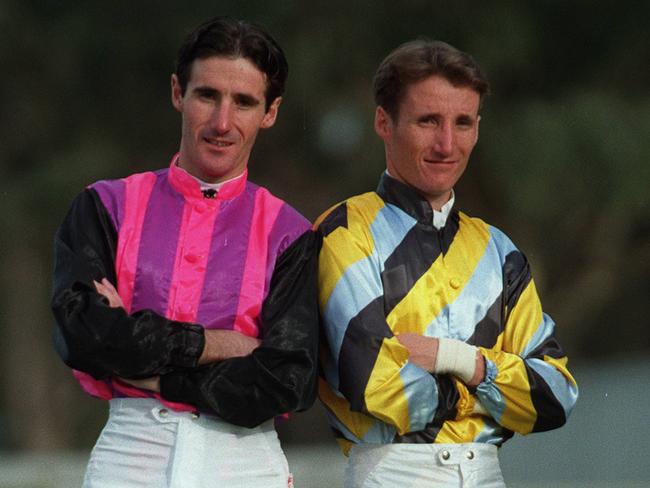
point(145, 444)
point(466, 465)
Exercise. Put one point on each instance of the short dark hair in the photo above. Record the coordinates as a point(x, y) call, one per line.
point(223, 36)
point(417, 60)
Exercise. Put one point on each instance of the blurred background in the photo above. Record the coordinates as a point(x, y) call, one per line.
point(562, 165)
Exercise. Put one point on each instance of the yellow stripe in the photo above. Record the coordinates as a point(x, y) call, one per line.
point(345, 445)
point(385, 396)
point(519, 413)
point(356, 422)
point(560, 365)
point(345, 246)
point(525, 318)
point(458, 431)
point(447, 276)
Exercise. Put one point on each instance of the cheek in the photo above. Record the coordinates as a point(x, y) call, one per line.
point(467, 143)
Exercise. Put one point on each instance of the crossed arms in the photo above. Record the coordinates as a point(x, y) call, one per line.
point(243, 380)
point(387, 366)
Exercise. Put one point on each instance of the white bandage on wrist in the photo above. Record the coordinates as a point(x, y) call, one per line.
point(457, 358)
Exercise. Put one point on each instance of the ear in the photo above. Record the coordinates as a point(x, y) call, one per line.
point(383, 123)
point(271, 114)
point(478, 120)
point(177, 93)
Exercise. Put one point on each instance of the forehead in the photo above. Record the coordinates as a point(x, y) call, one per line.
point(437, 95)
point(219, 72)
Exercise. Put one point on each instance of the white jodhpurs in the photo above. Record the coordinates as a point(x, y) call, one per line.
point(145, 444)
point(469, 465)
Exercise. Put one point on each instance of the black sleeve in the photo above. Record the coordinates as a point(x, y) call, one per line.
point(280, 375)
point(92, 337)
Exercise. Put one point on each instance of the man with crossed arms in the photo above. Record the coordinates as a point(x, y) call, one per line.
point(437, 350)
point(211, 329)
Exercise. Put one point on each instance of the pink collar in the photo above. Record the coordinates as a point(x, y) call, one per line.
point(190, 188)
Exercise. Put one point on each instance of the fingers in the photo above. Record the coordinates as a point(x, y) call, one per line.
point(101, 288)
point(109, 285)
point(108, 291)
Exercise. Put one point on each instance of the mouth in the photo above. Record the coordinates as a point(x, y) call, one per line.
point(439, 161)
point(218, 143)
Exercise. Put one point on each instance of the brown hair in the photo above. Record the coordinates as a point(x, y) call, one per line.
point(417, 60)
point(223, 36)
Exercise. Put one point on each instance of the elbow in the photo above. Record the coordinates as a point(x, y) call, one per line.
point(292, 385)
point(297, 395)
point(307, 392)
point(77, 355)
point(545, 423)
point(554, 414)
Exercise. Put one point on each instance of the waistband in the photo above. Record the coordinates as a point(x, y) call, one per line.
point(444, 454)
point(152, 409)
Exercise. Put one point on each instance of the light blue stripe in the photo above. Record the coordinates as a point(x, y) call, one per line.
point(359, 285)
point(489, 394)
point(378, 433)
point(564, 390)
point(389, 229)
point(458, 320)
point(502, 242)
point(492, 433)
point(421, 393)
point(361, 282)
point(544, 331)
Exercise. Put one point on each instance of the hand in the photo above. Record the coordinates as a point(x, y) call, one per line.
point(226, 344)
point(152, 383)
point(423, 350)
point(107, 290)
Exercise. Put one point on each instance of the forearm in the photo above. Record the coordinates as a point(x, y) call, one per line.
point(226, 344)
point(446, 356)
point(398, 392)
point(92, 336)
point(527, 386)
point(243, 390)
point(527, 394)
point(277, 377)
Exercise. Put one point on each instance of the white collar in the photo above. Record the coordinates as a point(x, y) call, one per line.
point(440, 216)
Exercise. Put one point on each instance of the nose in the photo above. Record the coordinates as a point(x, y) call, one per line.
point(444, 140)
point(222, 118)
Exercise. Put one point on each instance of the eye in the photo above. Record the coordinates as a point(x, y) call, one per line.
point(206, 94)
point(427, 120)
point(246, 101)
point(465, 122)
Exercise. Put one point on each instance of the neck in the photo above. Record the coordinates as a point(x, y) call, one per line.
point(439, 201)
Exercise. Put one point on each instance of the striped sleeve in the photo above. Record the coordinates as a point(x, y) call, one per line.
point(366, 364)
point(91, 336)
point(528, 387)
